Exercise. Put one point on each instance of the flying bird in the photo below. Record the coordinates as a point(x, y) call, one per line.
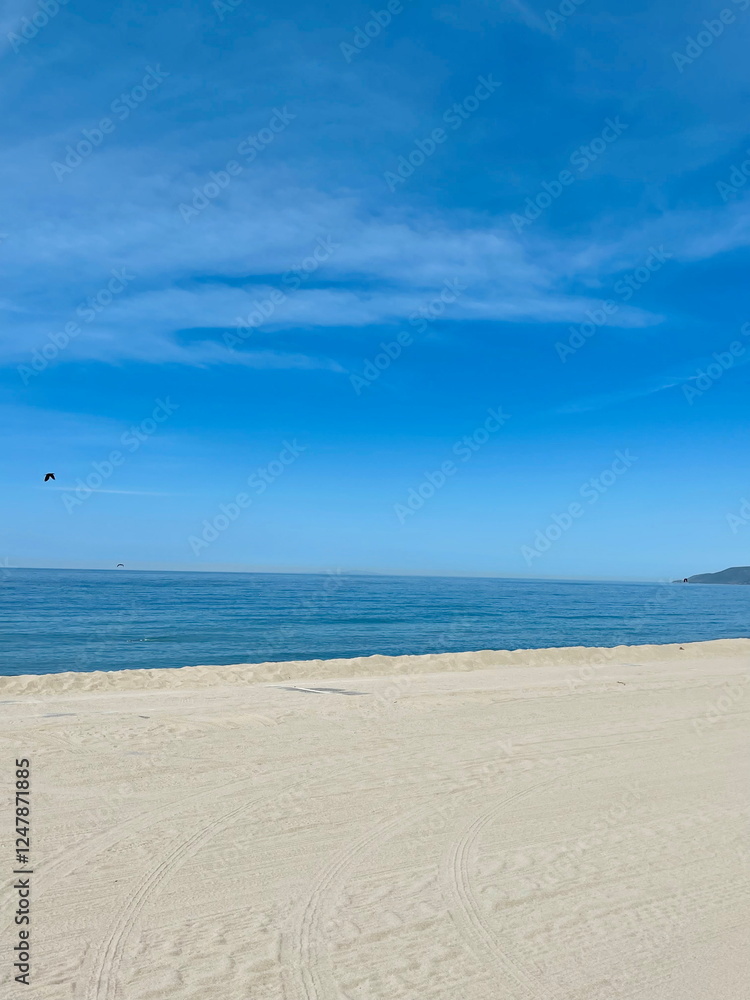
point(121, 564)
point(50, 475)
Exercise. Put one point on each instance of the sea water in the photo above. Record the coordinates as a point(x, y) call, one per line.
point(55, 620)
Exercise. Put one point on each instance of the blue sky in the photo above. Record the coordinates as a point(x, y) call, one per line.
point(215, 215)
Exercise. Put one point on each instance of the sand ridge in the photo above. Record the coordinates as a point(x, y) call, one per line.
point(169, 678)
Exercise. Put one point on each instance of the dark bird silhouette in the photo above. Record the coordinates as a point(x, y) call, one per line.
point(121, 564)
point(50, 475)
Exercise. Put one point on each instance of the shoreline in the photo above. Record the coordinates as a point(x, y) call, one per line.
point(246, 674)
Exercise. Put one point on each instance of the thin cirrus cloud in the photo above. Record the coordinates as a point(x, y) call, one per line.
point(373, 272)
point(691, 372)
point(387, 258)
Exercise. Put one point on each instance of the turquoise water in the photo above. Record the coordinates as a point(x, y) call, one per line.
point(54, 620)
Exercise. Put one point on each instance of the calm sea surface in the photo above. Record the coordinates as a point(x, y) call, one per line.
point(54, 620)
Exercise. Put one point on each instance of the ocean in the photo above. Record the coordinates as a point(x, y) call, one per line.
point(56, 620)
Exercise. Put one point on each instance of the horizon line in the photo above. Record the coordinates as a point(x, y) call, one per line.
point(347, 572)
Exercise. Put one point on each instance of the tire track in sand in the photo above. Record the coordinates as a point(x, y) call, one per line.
point(67, 861)
point(309, 979)
point(313, 980)
point(466, 910)
point(103, 983)
point(104, 979)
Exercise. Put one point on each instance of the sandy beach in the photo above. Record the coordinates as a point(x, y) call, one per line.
point(561, 824)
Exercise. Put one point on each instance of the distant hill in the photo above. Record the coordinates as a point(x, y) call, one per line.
point(737, 574)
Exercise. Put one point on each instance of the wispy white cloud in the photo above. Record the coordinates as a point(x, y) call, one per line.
point(601, 401)
point(266, 224)
point(528, 16)
point(648, 386)
point(206, 274)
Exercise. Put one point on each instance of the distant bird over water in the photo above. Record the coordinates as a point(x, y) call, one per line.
point(121, 564)
point(50, 475)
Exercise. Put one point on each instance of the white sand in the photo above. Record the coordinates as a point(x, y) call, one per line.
point(532, 825)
